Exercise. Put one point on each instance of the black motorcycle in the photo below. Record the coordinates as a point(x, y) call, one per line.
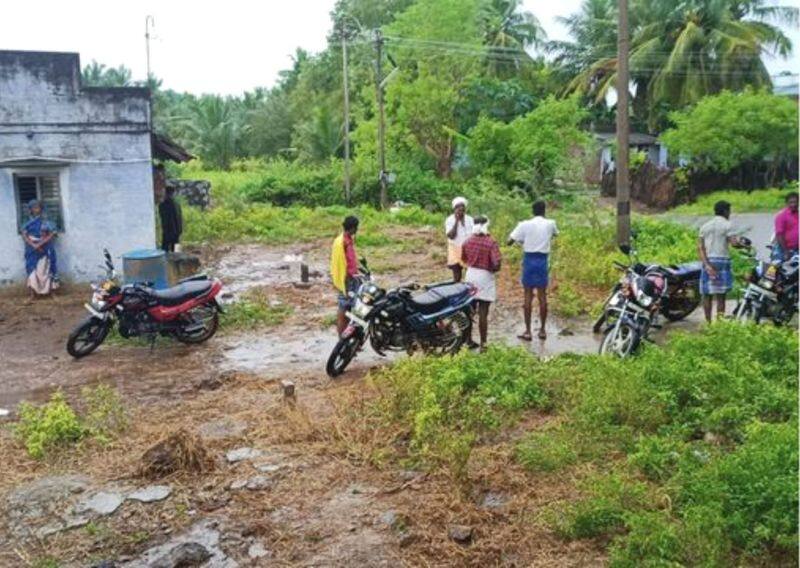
point(682, 295)
point(771, 291)
point(434, 319)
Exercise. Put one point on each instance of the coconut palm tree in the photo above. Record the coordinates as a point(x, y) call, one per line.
point(680, 51)
point(508, 31)
point(213, 127)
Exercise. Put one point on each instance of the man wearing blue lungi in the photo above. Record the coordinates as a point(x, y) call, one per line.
point(535, 235)
point(716, 278)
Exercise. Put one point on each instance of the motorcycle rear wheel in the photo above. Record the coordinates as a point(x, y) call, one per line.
point(682, 304)
point(343, 352)
point(208, 315)
point(622, 341)
point(87, 336)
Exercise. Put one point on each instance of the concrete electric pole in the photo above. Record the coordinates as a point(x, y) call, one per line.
point(384, 198)
point(623, 178)
point(346, 118)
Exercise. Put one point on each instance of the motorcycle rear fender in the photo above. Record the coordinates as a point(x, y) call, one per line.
point(169, 313)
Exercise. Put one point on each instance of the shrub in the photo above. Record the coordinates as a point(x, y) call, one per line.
point(43, 428)
point(55, 424)
point(450, 402)
point(104, 416)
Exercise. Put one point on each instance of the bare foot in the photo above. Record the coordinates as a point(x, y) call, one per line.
point(542, 334)
point(525, 337)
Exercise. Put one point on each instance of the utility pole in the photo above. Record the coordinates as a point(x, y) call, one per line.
point(148, 21)
point(346, 118)
point(381, 118)
point(623, 179)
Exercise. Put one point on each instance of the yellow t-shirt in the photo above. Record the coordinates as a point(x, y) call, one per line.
point(338, 263)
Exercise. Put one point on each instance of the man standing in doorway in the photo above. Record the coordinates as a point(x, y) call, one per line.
point(716, 278)
point(344, 269)
point(458, 228)
point(786, 229)
point(535, 235)
point(169, 212)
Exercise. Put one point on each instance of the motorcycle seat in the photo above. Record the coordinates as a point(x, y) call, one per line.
point(181, 293)
point(436, 299)
point(685, 271)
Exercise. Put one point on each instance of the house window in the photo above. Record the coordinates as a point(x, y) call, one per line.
point(46, 188)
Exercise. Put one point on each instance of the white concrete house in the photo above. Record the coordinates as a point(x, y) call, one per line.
point(85, 152)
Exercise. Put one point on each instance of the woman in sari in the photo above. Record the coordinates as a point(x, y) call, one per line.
point(40, 252)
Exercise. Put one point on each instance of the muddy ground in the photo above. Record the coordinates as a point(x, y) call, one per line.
point(301, 495)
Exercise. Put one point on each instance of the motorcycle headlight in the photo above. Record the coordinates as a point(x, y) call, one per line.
point(639, 292)
point(361, 308)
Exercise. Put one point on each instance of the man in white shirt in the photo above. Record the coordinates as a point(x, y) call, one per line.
point(535, 235)
point(458, 228)
point(716, 278)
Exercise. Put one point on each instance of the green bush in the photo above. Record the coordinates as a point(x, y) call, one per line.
point(710, 420)
point(53, 424)
point(450, 402)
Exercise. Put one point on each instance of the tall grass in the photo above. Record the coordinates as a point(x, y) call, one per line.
point(760, 200)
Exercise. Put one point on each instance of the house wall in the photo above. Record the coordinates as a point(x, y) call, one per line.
point(98, 140)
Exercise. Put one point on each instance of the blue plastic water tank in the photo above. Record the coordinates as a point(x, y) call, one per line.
point(145, 265)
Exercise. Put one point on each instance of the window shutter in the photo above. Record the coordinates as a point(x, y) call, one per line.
point(50, 194)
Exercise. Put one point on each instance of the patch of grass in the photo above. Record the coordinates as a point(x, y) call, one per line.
point(254, 311)
point(760, 200)
point(449, 403)
point(55, 424)
point(710, 421)
point(546, 451)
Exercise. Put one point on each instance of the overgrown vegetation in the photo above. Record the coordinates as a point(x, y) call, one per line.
point(762, 200)
point(685, 455)
point(253, 311)
point(56, 424)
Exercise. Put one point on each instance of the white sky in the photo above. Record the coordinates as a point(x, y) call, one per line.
point(205, 46)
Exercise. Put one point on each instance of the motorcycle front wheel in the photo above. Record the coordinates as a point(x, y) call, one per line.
point(746, 312)
point(343, 352)
point(620, 340)
point(88, 336)
point(200, 324)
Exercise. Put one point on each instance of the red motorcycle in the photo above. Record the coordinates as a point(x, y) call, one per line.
point(189, 312)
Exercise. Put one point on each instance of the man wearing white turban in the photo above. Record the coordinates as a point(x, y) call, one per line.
point(458, 228)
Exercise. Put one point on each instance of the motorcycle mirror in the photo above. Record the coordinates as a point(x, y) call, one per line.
point(634, 233)
point(626, 249)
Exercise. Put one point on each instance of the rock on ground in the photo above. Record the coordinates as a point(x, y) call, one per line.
point(197, 546)
point(101, 503)
point(151, 493)
point(240, 454)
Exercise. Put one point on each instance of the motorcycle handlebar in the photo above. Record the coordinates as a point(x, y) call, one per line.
point(620, 266)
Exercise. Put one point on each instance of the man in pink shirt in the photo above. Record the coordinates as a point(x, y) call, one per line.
point(786, 227)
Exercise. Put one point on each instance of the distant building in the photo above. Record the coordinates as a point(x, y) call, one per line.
point(786, 85)
point(85, 152)
point(655, 151)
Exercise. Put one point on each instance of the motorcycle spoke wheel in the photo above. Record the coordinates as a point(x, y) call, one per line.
point(202, 323)
point(344, 352)
point(87, 337)
point(620, 341)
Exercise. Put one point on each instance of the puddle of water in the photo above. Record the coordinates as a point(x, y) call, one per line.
point(248, 266)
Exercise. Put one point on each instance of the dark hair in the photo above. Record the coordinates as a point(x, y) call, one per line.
point(158, 168)
point(539, 207)
point(350, 223)
point(722, 208)
point(480, 220)
point(790, 195)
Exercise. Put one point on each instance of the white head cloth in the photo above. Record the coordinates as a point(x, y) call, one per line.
point(481, 228)
point(459, 201)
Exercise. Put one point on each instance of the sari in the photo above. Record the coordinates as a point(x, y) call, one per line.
point(40, 264)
